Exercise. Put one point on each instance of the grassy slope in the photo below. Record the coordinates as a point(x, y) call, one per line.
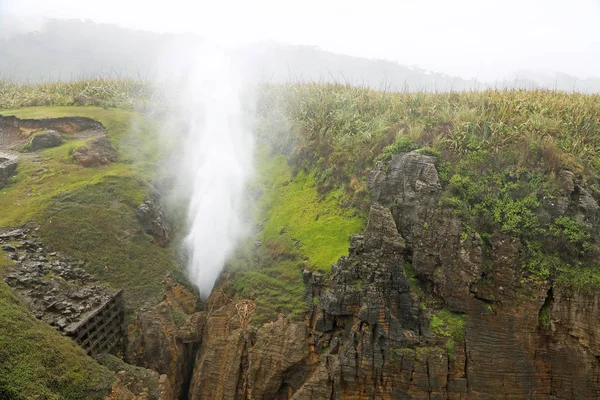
point(90, 214)
point(498, 155)
point(295, 215)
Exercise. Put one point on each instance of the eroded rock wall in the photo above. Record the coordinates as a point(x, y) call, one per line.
point(368, 333)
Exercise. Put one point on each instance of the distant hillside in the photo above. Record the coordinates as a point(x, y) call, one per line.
point(558, 81)
point(281, 63)
point(73, 49)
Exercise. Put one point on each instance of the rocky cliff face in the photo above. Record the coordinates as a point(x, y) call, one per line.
point(417, 310)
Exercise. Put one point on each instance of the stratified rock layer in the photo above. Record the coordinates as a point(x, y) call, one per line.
point(368, 334)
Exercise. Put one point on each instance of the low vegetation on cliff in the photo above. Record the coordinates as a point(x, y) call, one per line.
point(502, 157)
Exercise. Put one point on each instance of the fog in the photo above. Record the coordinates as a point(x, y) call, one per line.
point(213, 155)
point(487, 41)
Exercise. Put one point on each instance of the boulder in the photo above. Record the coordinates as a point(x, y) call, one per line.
point(95, 153)
point(45, 140)
point(151, 215)
point(8, 167)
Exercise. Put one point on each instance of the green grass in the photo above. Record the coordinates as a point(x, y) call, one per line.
point(295, 218)
point(35, 360)
point(297, 228)
point(581, 278)
point(88, 213)
point(344, 128)
point(449, 326)
point(498, 154)
point(317, 226)
point(130, 132)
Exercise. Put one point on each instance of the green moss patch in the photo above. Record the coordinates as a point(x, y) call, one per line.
point(318, 226)
point(449, 326)
point(296, 228)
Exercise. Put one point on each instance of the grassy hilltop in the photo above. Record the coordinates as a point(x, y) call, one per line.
point(498, 155)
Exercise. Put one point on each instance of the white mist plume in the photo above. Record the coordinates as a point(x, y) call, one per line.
point(216, 159)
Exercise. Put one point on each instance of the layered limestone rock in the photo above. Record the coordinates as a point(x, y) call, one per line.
point(153, 340)
point(371, 329)
point(58, 290)
point(236, 362)
point(135, 383)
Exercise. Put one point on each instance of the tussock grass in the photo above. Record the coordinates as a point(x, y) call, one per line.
point(122, 93)
point(498, 155)
point(341, 129)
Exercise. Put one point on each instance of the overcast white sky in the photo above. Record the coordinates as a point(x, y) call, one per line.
point(484, 39)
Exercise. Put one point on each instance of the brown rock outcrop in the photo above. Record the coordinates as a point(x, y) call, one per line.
point(153, 341)
point(45, 140)
point(135, 383)
point(64, 124)
point(96, 153)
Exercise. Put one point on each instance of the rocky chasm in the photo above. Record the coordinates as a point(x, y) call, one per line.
point(371, 331)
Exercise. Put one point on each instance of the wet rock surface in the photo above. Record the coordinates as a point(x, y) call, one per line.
point(8, 167)
point(59, 291)
point(135, 383)
point(157, 338)
point(151, 215)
